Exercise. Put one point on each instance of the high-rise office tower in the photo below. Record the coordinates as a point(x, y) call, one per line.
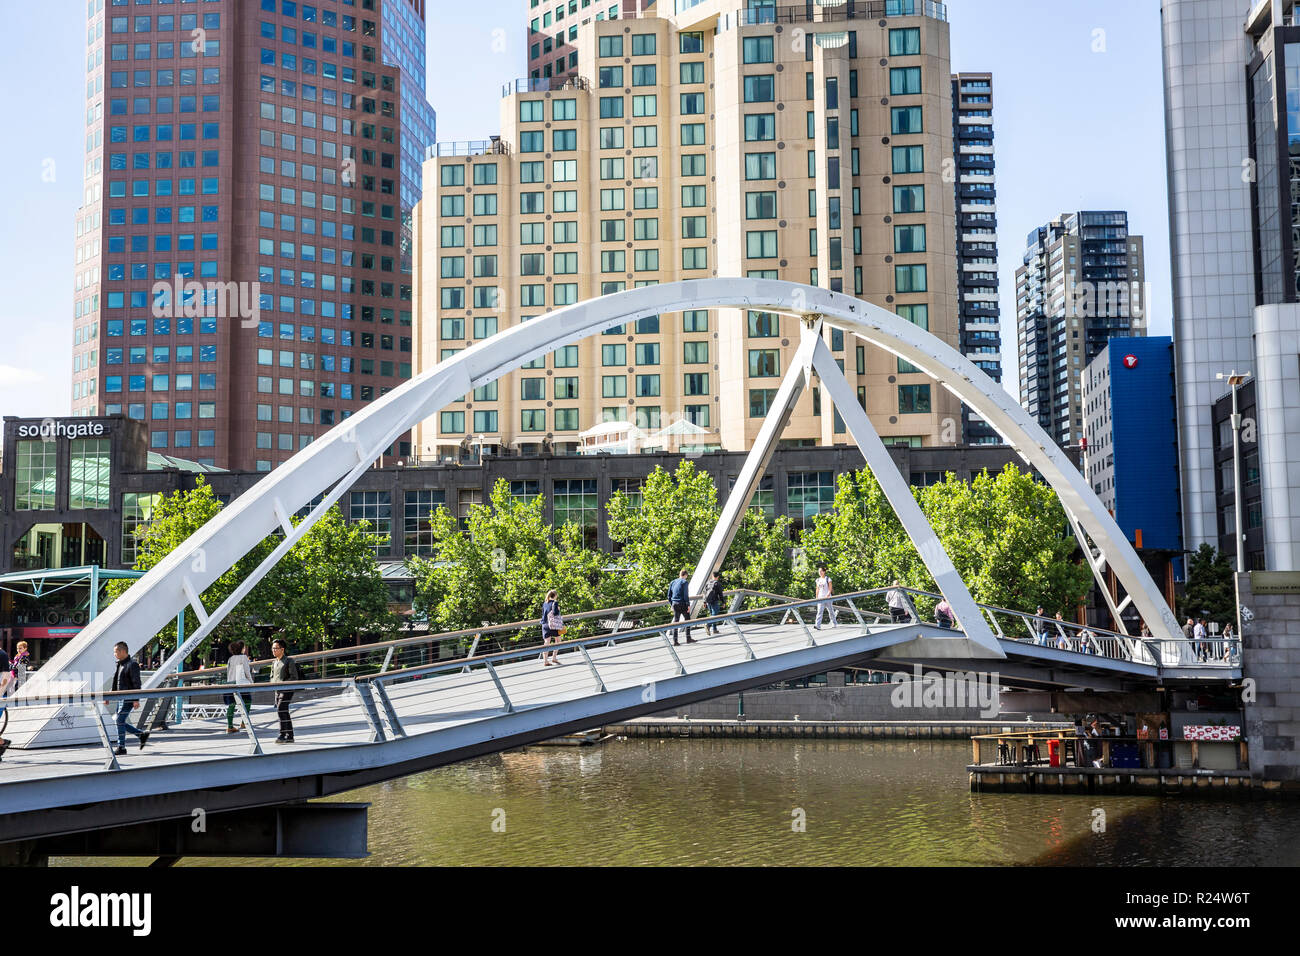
point(709, 142)
point(1081, 285)
point(1232, 131)
point(553, 31)
point(980, 315)
point(239, 279)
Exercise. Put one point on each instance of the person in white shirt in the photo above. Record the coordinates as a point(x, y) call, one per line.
point(897, 602)
point(239, 670)
point(1199, 636)
point(825, 588)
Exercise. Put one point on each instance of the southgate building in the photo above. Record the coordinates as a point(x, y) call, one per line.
point(243, 254)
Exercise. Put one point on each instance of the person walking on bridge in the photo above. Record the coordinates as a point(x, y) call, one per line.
point(943, 614)
point(126, 677)
point(825, 588)
point(897, 602)
point(552, 626)
point(5, 688)
point(239, 670)
point(284, 668)
point(679, 598)
point(713, 600)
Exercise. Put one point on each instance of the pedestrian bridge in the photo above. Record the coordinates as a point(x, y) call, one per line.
point(383, 711)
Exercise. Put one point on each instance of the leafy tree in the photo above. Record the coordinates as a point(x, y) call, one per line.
point(501, 567)
point(175, 518)
point(1211, 590)
point(666, 532)
point(1007, 535)
point(327, 587)
point(759, 557)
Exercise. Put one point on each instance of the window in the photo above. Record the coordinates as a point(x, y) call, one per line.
point(375, 507)
point(760, 89)
point(760, 205)
point(136, 511)
point(613, 386)
point(904, 81)
point(908, 159)
point(760, 127)
point(764, 363)
point(910, 278)
point(761, 245)
point(37, 476)
point(760, 165)
point(532, 420)
point(909, 199)
point(760, 401)
point(913, 399)
point(420, 507)
point(905, 119)
point(611, 355)
point(576, 502)
point(808, 494)
point(909, 238)
point(906, 42)
point(759, 49)
point(764, 325)
point(88, 478)
point(452, 423)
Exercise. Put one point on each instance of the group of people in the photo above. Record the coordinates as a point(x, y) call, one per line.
point(1208, 646)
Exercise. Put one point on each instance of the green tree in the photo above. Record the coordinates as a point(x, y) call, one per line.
point(499, 569)
point(174, 519)
point(759, 558)
point(1007, 535)
point(1211, 590)
point(327, 587)
point(666, 532)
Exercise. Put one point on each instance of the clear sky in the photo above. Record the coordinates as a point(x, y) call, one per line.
point(1078, 120)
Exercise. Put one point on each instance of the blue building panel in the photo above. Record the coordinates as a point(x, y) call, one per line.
point(1145, 440)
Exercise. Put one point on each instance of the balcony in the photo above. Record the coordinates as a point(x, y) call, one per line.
point(851, 10)
point(474, 147)
point(545, 84)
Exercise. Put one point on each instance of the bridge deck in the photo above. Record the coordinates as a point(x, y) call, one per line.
point(424, 705)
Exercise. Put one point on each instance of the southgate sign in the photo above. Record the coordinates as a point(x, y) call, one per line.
point(50, 428)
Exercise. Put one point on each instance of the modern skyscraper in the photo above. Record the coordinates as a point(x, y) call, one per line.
point(977, 237)
point(1081, 285)
point(1206, 52)
point(1232, 82)
point(240, 280)
point(714, 142)
point(553, 31)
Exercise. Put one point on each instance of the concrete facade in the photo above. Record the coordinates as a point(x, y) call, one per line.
point(1269, 605)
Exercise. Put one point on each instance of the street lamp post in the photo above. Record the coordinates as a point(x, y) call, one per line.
point(1235, 379)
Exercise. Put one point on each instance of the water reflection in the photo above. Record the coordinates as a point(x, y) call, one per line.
point(723, 802)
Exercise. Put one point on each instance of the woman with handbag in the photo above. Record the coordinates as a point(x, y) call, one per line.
point(552, 627)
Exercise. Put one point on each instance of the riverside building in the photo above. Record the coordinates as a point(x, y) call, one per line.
point(805, 144)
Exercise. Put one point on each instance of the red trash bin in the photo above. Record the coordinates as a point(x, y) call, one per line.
point(1054, 753)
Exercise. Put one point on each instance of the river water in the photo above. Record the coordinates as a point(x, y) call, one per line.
point(756, 802)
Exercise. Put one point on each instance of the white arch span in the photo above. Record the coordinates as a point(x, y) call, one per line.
point(331, 464)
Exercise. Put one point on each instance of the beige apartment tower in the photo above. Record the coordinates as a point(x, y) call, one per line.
point(756, 142)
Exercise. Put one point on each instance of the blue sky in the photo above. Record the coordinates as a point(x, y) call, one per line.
point(1078, 118)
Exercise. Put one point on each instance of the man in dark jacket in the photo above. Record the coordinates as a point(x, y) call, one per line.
point(713, 600)
point(126, 677)
point(679, 596)
point(283, 668)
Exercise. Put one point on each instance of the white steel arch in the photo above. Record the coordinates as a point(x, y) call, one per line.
point(331, 464)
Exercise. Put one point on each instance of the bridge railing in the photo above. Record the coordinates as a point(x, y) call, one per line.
point(369, 693)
